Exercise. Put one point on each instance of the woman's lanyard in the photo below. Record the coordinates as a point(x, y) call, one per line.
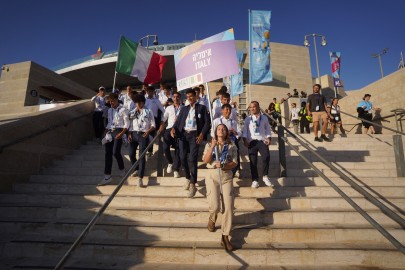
point(223, 154)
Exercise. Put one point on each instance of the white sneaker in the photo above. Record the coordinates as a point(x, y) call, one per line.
point(135, 173)
point(176, 174)
point(187, 185)
point(266, 180)
point(140, 184)
point(105, 181)
point(255, 184)
point(169, 168)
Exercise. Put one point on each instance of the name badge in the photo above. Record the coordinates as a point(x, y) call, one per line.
point(337, 118)
point(317, 108)
point(191, 123)
point(256, 129)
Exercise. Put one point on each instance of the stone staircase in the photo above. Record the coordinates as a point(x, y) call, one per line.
point(300, 223)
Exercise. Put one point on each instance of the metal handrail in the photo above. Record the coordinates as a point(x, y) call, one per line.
point(32, 135)
point(374, 124)
point(387, 211)
point(93, 221)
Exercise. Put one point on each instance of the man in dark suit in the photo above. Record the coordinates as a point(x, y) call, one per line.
point(191, 127)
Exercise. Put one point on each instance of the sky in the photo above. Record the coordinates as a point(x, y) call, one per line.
point(52, 33)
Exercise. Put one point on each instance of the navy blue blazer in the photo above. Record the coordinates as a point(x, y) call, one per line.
point(202, 118)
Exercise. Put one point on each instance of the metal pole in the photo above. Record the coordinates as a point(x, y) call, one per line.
point(281, 151)
point(381, 69)
point(216, 147)
point(316, 59)
point(115, 77)
point(399, 155)
point(336, 90)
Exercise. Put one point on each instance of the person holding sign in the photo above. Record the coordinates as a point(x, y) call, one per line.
point(192, 126)
point(257, 138)
point(226, 161)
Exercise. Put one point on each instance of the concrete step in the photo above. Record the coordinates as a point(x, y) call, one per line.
point(169, 191)
point(11, 203)
point(49, 263)
point(354, 156)
point(246, 182)
point(144, 214)
point(202, 172)
point(292, 163)
point(17, 231)
point(127, 253)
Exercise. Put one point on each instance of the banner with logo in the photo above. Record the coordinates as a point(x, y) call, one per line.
point(259, 43)
point(335, 62)
point(206, 60)
point(236, 82)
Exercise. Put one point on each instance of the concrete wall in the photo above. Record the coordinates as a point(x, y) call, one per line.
point(387, 93)
point(20, 160)
point(17, 81)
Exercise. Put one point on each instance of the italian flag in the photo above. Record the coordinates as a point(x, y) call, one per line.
point(137, 61)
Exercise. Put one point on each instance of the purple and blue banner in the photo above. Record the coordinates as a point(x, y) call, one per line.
point(236, 81)
point(206, 60)
point(335, 62)
point(259, 43)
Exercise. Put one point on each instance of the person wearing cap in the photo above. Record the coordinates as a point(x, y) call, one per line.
point(365, 111)
point(99, 107)
point(118, 124)
point(142, 123)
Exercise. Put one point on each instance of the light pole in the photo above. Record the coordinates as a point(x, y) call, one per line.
point(375, 55)
point(323, 43)
point(155, 41)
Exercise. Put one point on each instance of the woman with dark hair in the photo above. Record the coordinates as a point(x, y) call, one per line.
point(365, 111)
point(272, 111)
point(224, 163)
point(336, 119)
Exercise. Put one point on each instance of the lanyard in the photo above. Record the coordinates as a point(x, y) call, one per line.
point(176, 111)
point(257, 120)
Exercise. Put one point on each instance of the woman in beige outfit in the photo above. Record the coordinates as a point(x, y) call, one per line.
point(228, 160)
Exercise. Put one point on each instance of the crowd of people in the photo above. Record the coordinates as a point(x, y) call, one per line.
point(133, 118)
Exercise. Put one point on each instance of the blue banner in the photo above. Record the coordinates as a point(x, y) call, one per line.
point(259, 43)
point(335, 63)
point(237, 79)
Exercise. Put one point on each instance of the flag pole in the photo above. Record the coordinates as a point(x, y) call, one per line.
point(250, 56)
point(115, 70)
point(216, 146)
point(115, 77)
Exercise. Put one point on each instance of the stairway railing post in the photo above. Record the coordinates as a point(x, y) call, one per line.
point(281, 151)
point(399, 155)
point(160, 157)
